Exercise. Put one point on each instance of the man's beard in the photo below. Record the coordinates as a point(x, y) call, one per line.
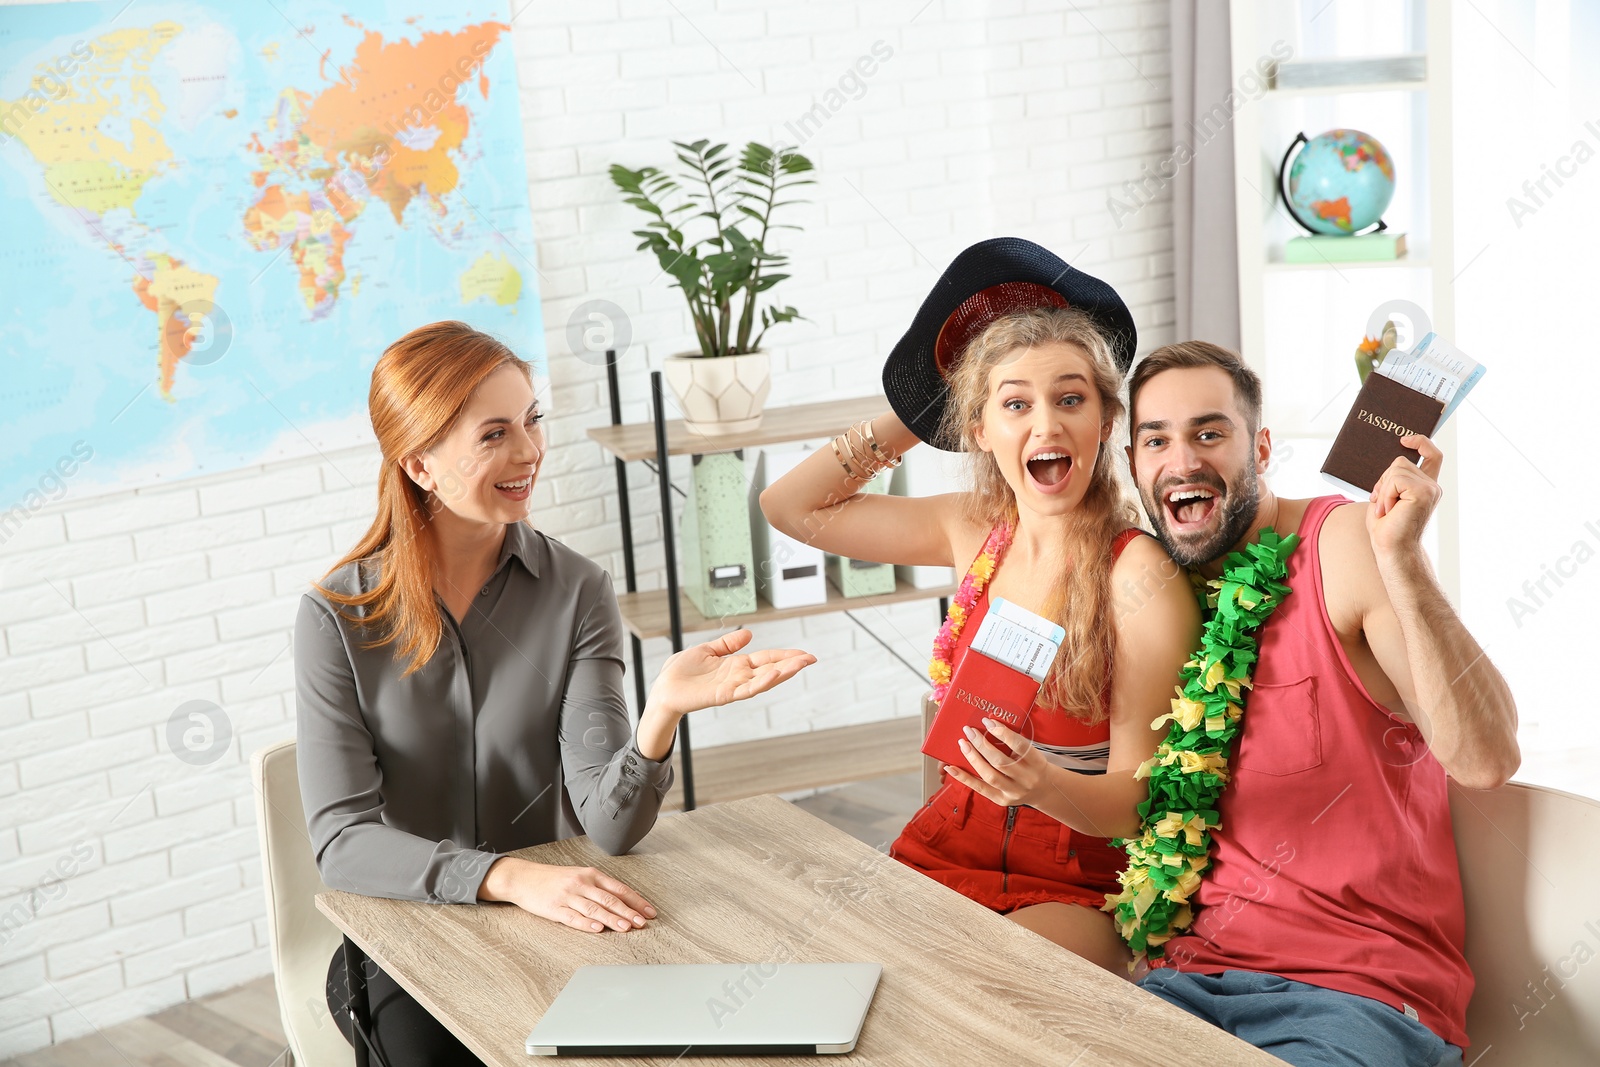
point(1239, 504)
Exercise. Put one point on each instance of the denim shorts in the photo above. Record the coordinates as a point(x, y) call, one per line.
point(1302, 1024)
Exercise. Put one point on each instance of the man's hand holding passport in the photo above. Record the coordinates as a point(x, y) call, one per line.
point(1409, 392)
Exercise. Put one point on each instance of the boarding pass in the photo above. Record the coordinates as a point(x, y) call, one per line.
point(1018, 638)
point(1434, 368)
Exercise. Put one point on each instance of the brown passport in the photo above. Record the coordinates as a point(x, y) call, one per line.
point(1369, 440)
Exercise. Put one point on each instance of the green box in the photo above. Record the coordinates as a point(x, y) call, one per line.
point(859, 577)
point(718, 557)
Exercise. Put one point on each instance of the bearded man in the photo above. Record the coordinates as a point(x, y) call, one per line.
point(1328, 929)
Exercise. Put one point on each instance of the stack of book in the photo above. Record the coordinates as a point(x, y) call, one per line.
point(1327, 248)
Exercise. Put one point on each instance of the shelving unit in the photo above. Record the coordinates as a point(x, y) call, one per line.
point(645, 614)
point(1312, 363)
point(778, 425)
point(798, 762)
point(667, 612)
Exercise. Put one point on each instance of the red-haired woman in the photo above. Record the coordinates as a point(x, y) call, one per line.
point(458, 678)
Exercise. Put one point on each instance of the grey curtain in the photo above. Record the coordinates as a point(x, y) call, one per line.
point(1205, 252)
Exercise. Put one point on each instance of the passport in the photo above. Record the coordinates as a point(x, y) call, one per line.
point(980, 688)
point(1384, 411)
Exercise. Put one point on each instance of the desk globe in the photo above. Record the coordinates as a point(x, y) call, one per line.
point(1339, 184)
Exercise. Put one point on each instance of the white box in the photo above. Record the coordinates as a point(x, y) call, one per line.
point(789, 573)
point(928, 471)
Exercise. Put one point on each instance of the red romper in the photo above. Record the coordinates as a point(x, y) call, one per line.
point(1010, 858)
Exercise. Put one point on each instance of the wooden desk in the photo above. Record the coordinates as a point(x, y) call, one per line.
point(760, 880)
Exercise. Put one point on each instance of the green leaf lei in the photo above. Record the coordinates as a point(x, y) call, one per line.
point(1190, 767)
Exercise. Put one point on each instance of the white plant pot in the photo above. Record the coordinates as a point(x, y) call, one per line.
point(720, 395)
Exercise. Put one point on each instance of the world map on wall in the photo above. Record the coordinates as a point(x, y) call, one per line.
point(215, 218)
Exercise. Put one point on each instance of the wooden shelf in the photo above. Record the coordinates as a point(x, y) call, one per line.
point(797, 762)
point(645, 614)
point(798, 422)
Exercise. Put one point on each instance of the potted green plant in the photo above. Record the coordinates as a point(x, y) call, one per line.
point(721, 388)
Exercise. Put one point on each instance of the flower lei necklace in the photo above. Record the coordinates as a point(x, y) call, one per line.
point(1190, 767)
point(966, 598)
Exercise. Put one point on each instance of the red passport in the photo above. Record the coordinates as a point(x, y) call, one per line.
point(980, 688)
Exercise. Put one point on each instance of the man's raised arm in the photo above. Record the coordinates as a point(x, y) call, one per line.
point(1452, 691)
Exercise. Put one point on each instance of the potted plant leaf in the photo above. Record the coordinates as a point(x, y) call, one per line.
point(721, 388)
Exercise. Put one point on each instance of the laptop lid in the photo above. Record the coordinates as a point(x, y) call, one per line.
point(708, 1009)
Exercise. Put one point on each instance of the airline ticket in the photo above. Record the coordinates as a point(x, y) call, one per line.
point(1018, 638)
point(1435, 368)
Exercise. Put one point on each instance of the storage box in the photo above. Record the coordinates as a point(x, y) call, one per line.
point(859, 577)
point(789, 573)
point(928, 471)
point(718, 557)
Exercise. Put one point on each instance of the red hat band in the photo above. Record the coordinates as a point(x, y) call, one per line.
point(979, 310)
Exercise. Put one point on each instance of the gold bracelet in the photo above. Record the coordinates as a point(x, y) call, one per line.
point(848, 473)
point(879, 451)
point(859, 452)
point(862, 457)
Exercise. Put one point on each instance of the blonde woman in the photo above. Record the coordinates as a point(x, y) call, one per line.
point(1016, 360)
point(459, 679)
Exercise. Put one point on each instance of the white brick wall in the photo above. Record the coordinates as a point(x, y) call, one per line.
point(991, 117)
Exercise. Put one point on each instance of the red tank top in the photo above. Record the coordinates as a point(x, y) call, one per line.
point(1335, 863)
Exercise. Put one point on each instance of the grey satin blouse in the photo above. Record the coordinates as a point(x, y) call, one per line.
point(515, 733)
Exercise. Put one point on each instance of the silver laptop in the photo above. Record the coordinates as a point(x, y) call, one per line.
point(708, 1009)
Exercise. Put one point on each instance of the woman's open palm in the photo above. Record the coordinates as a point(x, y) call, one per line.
point(717, 672)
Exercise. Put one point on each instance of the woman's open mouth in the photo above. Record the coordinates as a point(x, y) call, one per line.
point(1190, 509)
point(517, 490)
point(1049, 471)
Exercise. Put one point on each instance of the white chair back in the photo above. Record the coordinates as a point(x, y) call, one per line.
point(301, 938)
point(1530, 869)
